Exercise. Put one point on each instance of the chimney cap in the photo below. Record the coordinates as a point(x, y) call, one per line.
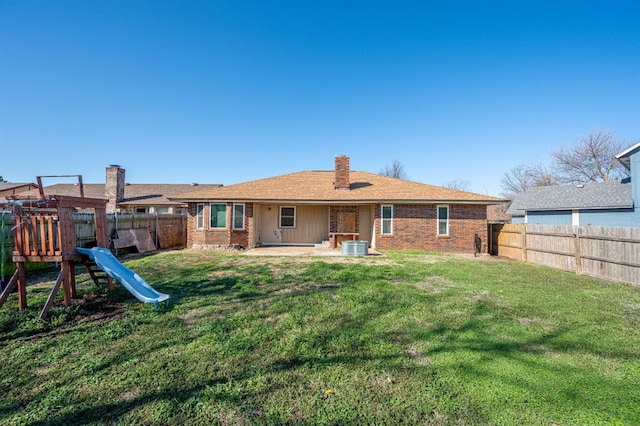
point(115, 165)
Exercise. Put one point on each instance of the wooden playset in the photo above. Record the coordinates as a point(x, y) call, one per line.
point(45, 232)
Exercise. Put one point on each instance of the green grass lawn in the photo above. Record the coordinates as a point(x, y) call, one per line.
point(402, 338)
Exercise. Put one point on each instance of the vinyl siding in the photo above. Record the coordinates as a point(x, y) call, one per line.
point(562, 217)
point(312, 226)
point(618, 217)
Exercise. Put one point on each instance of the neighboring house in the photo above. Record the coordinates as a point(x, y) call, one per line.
point(497, 214)
point(313, 207)
point(128, 198)
point(13, 188)
point(614, 203)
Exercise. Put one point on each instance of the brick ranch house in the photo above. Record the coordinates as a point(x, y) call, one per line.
point(312, 207)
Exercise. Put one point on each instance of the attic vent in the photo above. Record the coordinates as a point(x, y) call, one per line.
point(580, 185)
point(194, 184)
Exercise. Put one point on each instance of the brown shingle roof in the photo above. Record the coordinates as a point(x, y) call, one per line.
point(318, 187)
point(134, 194)
point(4, 186)
point(12, 188)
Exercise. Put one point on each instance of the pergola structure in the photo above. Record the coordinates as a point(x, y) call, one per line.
point(45, 232)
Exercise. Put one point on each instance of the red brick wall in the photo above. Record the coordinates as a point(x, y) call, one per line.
point(415, 227)
point(221, 237)
point(242, 237)
point(191, 225)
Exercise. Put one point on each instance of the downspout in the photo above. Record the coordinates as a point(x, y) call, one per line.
point(634, 163)
point(374, 208)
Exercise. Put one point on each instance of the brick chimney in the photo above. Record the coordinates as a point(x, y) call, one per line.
point(342, 173)
point(114, 187)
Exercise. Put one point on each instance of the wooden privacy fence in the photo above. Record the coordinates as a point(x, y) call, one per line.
point(167, 230)
point(605, 252)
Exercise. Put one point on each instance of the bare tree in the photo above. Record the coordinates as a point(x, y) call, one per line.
point(541, 175)
point(525, 176)
point(591, 160)
point(395, 169)
point(459, 184)
point(514, 181)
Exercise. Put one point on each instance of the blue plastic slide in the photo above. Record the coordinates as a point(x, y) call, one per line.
point(125, 276)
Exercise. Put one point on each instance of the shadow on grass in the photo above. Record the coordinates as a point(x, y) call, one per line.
point(552, 365)
point(347, 338)
point(297, 358)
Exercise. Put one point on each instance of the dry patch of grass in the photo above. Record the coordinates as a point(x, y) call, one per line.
point(434, 284)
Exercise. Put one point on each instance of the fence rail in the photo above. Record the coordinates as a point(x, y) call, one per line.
point(605, 252)
point(167, 230)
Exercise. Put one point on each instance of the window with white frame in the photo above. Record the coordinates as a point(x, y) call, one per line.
point(200, 216)
point(238, 216)
point(287, 217)
point(217, 215)
point(443, 220)
point(387, 220)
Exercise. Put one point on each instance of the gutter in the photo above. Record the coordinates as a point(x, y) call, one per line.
point(555, 209)
point(334, 202)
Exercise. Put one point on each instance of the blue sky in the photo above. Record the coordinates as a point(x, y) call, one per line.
point(230, 91)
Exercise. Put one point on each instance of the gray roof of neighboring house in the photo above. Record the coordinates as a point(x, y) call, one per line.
point(596, 196)
point(134, 194)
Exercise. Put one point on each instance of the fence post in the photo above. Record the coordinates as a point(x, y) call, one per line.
point(524, 242)
point(115, 231)
point(578, 255)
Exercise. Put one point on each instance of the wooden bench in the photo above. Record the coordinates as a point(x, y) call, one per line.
point(336, 238)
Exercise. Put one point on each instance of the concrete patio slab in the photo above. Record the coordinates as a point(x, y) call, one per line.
point(297, 251)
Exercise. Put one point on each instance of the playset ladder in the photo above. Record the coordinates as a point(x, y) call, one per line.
point(97, 275)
